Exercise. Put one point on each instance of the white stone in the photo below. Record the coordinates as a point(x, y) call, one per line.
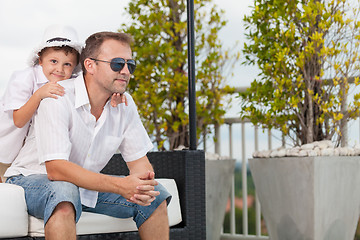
point(180, 147)
point(325, 144)
point(321, 148)
point(282, 152)
point(357, 151)
point(343, 151)
point(327, 152)
point(265, 153)
point(357, 146)
point(313, 153)
point(351, 152)
point(303, 153)
point(292, 152)
point(273, 153)
point(212, 156)
point(308, 146)
point(288, 150)
point(297, 147)
point(317, 149)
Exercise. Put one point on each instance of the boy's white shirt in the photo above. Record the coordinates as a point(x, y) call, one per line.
point(21, 87)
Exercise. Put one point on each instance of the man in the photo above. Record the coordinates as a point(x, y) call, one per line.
point(73, 138)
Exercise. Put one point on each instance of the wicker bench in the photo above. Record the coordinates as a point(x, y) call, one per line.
point(187, 168)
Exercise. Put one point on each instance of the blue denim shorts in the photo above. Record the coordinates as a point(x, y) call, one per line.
point(43, 195)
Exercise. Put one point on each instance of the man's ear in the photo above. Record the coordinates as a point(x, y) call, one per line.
point(89, 65)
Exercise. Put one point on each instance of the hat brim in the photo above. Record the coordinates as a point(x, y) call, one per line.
point(34, 57)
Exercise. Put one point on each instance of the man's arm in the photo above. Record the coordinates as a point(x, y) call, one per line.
point(137, 187)
point(140, 166)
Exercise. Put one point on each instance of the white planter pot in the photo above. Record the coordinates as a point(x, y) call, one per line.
point(219, 176)
point(308, 198)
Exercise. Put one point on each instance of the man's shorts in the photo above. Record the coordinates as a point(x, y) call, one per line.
point(43, 195)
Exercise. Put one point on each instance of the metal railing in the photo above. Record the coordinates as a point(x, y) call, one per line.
point(244, 187)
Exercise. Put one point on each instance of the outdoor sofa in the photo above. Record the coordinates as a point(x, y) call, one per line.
point(184, 170)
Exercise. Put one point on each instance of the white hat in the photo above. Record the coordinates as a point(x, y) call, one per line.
point(56, 36)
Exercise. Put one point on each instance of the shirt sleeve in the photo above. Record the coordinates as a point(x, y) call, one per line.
point(19, 89)
point(52, 129)
point(136, 142)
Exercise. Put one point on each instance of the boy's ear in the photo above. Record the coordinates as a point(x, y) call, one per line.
point(39, 59)
point(89, 65)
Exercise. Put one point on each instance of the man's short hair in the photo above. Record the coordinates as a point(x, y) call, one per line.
point(93, 44)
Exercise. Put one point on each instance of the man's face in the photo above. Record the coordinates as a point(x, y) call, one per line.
point(113, 82)
point(57, 65)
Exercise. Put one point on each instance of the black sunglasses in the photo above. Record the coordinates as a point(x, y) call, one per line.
point(117, 64)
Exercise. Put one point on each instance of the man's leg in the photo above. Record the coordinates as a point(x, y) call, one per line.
point(157, 225)
point(61, 225)
point(152, 221)
point(53, 201)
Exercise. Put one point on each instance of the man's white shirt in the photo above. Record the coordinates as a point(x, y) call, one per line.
point(65, 129)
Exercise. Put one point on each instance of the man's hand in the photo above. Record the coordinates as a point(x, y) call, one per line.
point(50, 90)
point(140, 188)
point(118, 98)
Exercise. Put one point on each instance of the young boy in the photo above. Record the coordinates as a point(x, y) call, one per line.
point(56, 59)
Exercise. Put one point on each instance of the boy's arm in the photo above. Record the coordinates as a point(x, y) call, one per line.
point(23, 115)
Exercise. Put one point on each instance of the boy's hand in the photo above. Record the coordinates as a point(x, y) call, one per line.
point(118, 98)
point(50, 90)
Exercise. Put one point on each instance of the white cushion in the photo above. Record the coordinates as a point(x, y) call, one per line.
point(13, 210)
point(91, 223)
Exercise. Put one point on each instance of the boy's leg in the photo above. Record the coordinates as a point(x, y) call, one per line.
point(55, 200)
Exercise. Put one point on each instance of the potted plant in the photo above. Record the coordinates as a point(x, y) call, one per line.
point(308, 56)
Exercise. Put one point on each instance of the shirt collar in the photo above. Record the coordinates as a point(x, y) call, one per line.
point(40, 76)
point(81, 95)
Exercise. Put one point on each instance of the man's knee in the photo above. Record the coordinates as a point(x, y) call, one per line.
point(163, 207)
point(63, 201)
point(64, 210)
point(160, 211)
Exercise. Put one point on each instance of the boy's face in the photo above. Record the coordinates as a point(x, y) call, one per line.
point(57, 65)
